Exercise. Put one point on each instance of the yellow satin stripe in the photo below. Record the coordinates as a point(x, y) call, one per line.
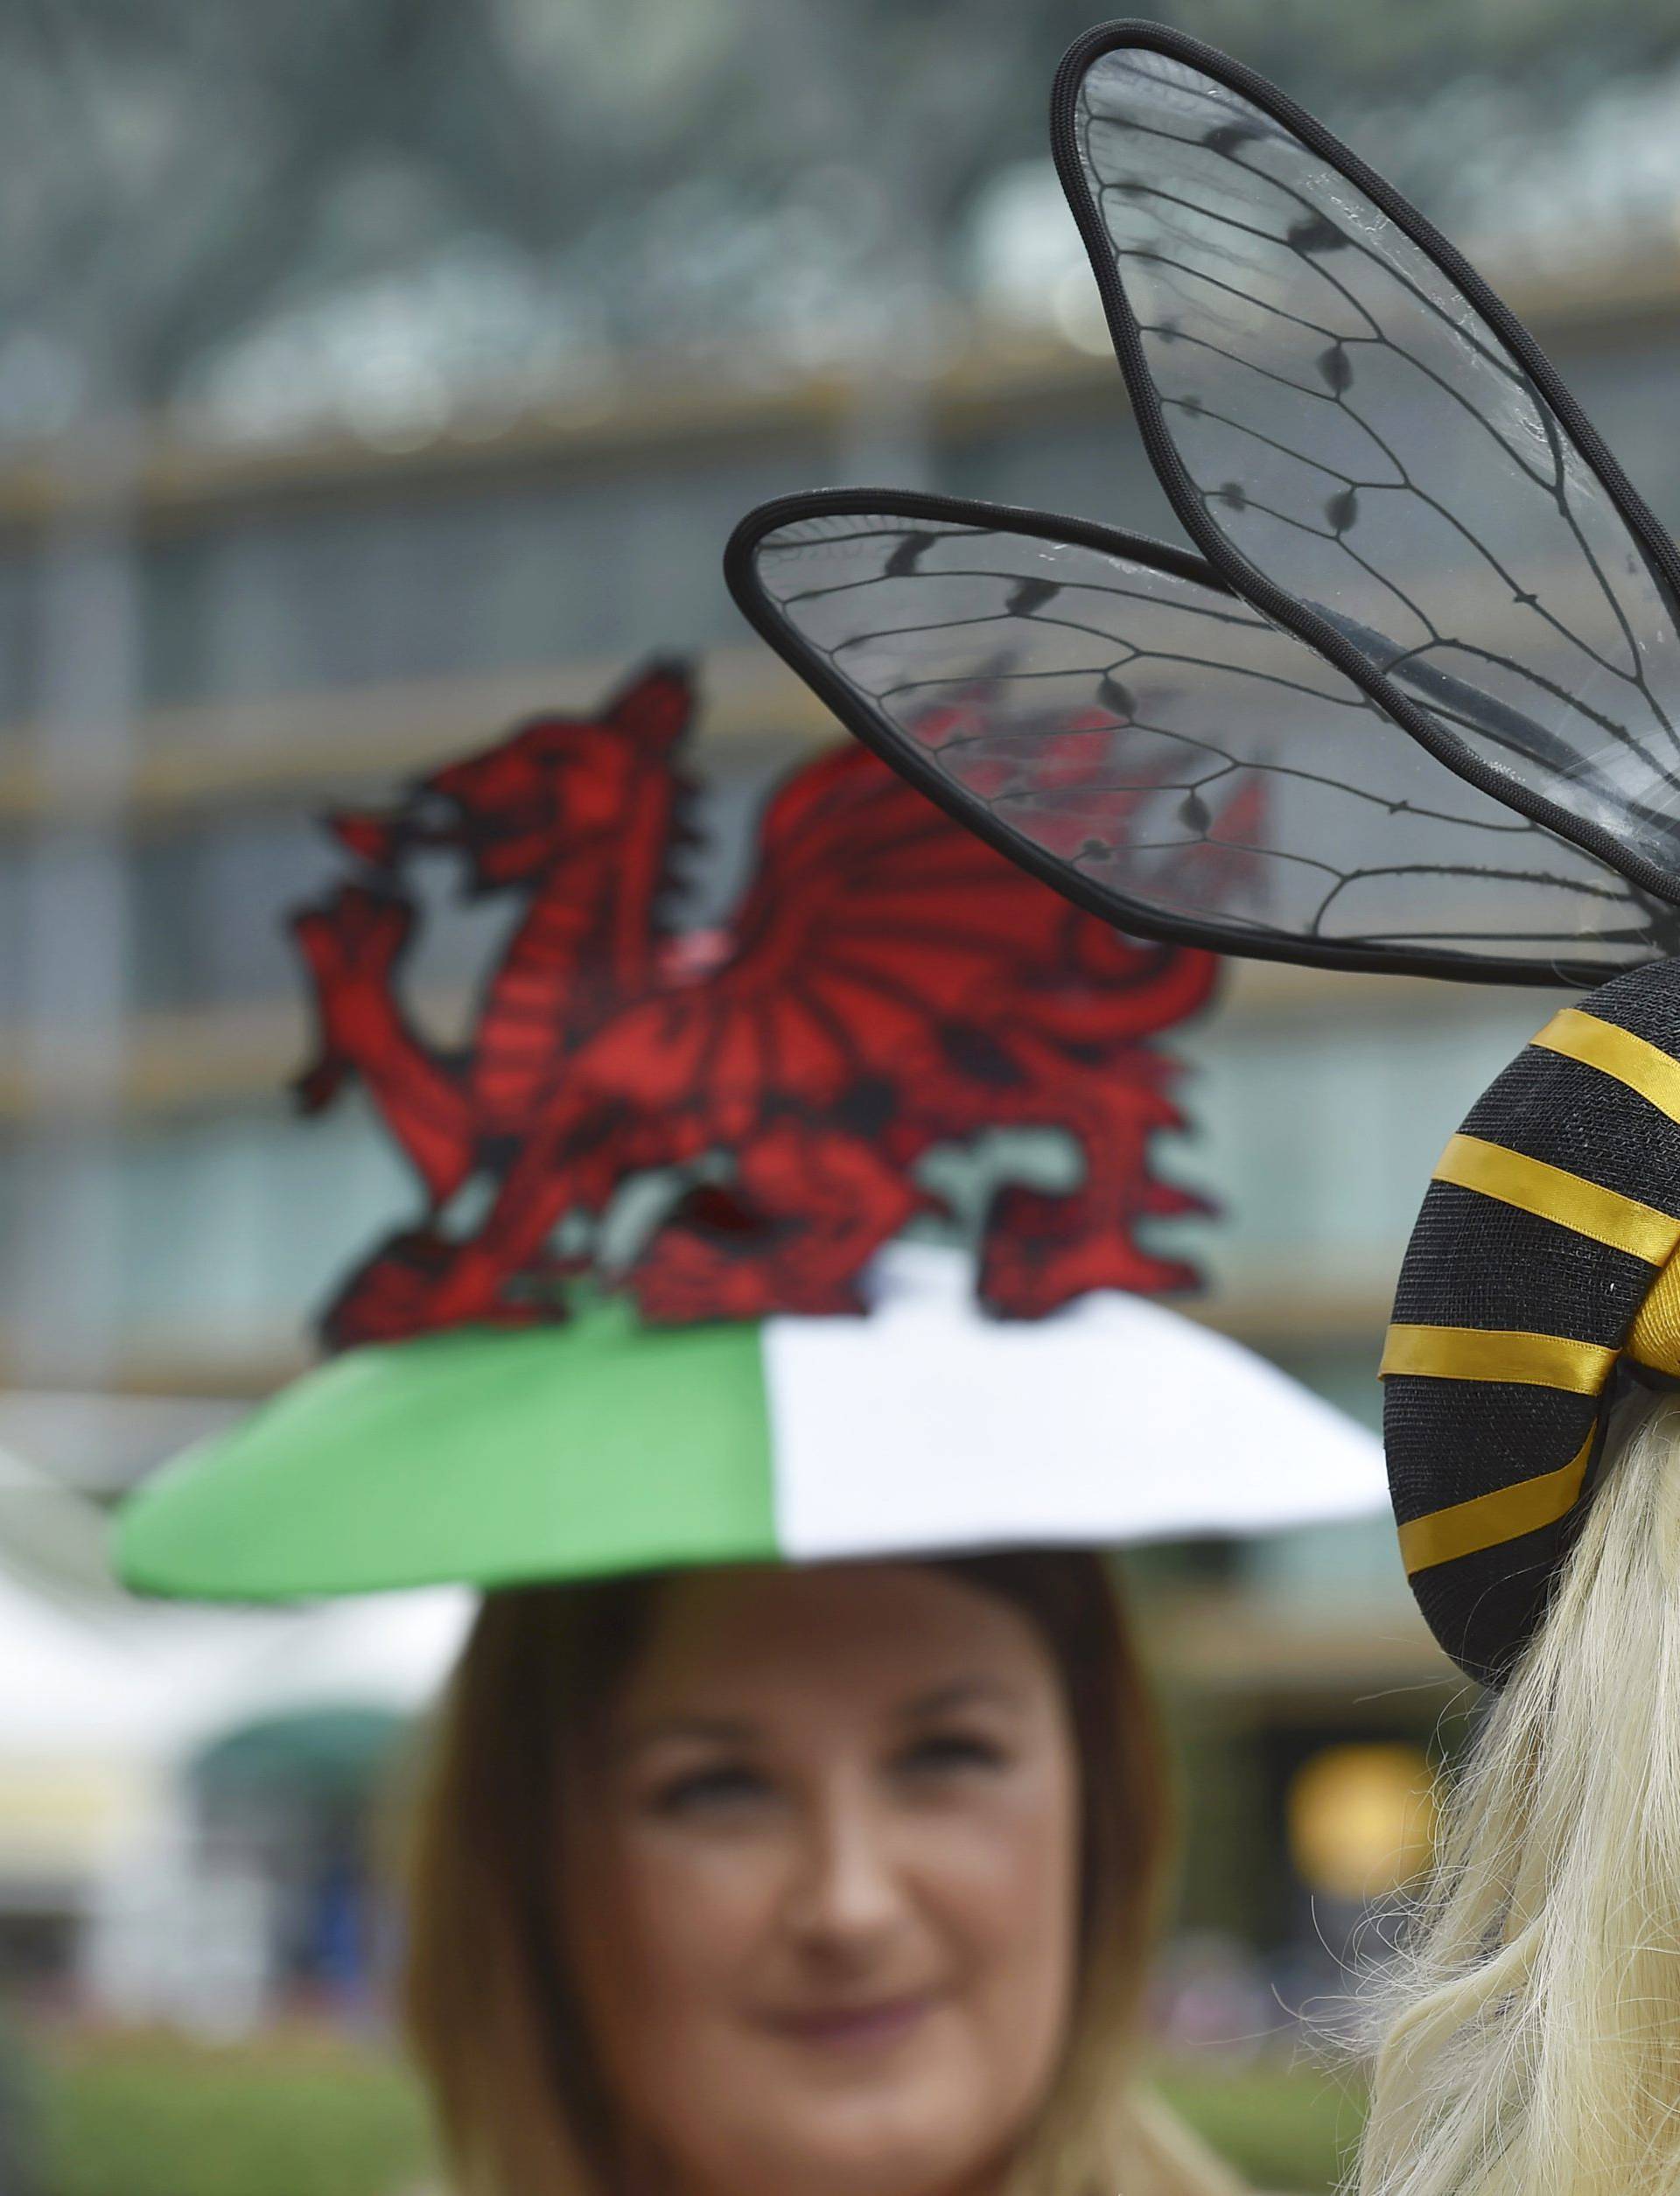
point(1466, 1353)
point(1622, 1222)
point(1487, 1520)
point(1646, 1068)
point(1653, 1339)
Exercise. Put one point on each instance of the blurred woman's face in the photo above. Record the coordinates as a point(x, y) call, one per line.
point(822, 1902)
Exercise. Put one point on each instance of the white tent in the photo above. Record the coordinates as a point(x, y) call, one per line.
point(86, 1726)
point(106, 1702)
point(94, 1667)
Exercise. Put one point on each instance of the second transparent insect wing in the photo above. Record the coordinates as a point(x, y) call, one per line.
point(1367, 445)
point(1106, 711)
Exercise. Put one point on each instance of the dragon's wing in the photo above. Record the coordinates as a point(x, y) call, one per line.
point(1106, 712)
point(1371, 448)
point(874, 928)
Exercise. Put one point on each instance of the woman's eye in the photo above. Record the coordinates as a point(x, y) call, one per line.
point(951, 1753)
point(719, 1790)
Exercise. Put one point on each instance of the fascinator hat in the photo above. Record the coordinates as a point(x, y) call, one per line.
point(657, 1306)
point(1413, 704)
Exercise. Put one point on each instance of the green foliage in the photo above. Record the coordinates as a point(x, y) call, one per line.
point(315, 2116)
point(1284, 2128)
point(155, 2116)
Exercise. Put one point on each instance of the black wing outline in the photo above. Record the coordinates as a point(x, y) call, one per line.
point(1646, 931)
point(1347, 644)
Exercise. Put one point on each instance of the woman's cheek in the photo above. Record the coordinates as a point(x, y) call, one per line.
point(1003, 1888)
point(697, 1907)
point(1007, 1861)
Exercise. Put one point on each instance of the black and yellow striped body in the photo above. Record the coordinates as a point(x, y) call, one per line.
point(1551, 1216)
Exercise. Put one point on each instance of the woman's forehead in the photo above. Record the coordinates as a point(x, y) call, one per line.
point(886, 1632)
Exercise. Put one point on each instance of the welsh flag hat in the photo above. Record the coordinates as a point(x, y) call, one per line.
point(498, 1459)
point(658, 1310)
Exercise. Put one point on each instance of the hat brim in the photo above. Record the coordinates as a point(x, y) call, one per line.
point(600, 1448)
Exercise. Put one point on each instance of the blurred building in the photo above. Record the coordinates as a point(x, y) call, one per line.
point(200, 650)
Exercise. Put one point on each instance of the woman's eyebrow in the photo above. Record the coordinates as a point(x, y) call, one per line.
point(960, 1692)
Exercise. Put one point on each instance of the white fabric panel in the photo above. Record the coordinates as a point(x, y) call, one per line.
point(929, 1425)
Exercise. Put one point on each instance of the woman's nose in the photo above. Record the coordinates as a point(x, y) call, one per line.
point(847, 1888)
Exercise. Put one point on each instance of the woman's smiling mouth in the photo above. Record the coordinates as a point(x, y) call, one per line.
point(881, 2022)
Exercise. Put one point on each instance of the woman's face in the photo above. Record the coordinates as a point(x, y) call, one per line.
point(823, 1898)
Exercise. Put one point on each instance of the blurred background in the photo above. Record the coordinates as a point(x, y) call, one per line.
point(373, 372)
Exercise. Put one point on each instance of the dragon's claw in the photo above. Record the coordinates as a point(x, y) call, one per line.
point(1041, 1251)
point(358, 933)
point(421, 1282)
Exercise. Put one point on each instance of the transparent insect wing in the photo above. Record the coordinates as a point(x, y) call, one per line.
point(1108, 713)
point(1372, 449)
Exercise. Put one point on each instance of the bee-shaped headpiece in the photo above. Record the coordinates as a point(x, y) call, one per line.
point(1416, 706)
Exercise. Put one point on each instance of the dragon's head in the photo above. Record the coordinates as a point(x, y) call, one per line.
point(553, 785)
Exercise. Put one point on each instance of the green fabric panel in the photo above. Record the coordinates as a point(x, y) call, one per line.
point(487, 1459)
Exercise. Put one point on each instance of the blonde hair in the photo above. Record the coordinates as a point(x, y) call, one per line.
point(1529, 2039)
point(492, 2011)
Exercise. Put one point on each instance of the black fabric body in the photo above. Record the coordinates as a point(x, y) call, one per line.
point(1473, 1262)
point(1575, 1117)
point(1485, 1608)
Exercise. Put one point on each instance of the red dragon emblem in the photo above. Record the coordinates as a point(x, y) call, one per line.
point(886, 985)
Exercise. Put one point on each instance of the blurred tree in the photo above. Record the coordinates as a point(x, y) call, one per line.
point(374, 206)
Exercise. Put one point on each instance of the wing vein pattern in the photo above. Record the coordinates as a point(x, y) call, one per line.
point(1113, 716)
